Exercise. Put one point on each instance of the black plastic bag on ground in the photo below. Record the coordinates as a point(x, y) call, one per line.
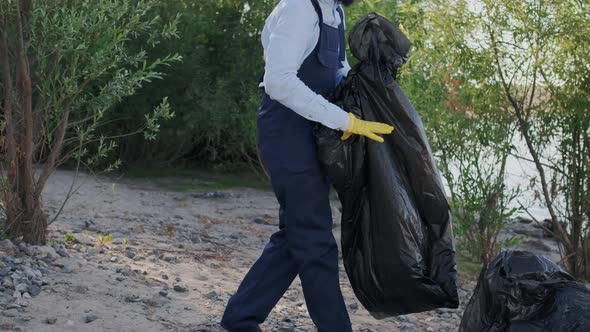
point(397, 240)
point(520, 291)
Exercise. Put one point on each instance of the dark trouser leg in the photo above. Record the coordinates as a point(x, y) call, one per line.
point(308, 228)
point(262, 288)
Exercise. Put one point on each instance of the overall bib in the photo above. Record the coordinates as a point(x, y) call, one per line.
point(304, 244)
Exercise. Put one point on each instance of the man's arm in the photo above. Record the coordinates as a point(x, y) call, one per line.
point(284, 55)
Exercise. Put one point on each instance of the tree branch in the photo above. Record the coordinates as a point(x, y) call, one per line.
point(523, 126)
point(57, 146)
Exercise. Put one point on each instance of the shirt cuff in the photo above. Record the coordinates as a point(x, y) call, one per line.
point(339, 119)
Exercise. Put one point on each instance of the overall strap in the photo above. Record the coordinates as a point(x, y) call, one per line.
point(342, 33)
point(318, 10)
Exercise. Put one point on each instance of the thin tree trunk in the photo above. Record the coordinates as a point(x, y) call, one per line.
point(25, 215)
point(8, 104)
point(8, 108)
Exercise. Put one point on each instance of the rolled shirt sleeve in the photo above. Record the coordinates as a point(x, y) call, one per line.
point(284, 54)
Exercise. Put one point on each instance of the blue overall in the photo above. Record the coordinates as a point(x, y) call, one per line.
point(304, 244)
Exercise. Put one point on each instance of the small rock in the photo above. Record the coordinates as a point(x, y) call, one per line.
point(90, 318)
point(13, 306)
point(10, 313)
point(34, 290)
point(138, 258)
point(4, 271)
point(180, 287)
point(16, 275)
point(155, 301)
point(127, 272)
point(164, 292)
point(177, 279)
point(8, 247)
point(169, 258)
point(353, 306)
point(129, 254)
point(59, 263)
point(261, 221)
point(113, 259)
point(44, 252)
point(50, 320)
point(120, 279)
point(22, 287)
point(26, 295)
point(18, 261)
point(22, 302)
point(132, 298)
point(165, 276)
point(7, 282)
point(62, 252)
point(30, 273)
point(212, 295)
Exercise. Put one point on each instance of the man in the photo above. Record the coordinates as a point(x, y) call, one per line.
point(305, 57)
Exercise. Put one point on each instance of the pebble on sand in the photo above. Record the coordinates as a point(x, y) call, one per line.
point(90, 318)
point(50, 320)
point(180, 287)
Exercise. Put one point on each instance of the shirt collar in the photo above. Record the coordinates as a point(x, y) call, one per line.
point(329, 2)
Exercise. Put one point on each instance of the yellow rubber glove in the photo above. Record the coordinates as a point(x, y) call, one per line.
point(368, 129)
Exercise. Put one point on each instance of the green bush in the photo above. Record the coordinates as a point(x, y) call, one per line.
point(213, 92)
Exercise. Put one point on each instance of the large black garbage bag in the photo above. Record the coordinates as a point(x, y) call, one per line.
point(397, 240)
point(520, 291)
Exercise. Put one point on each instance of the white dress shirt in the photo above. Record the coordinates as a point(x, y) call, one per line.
point(289, 36)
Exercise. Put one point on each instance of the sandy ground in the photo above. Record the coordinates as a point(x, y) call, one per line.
point(208, 240)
